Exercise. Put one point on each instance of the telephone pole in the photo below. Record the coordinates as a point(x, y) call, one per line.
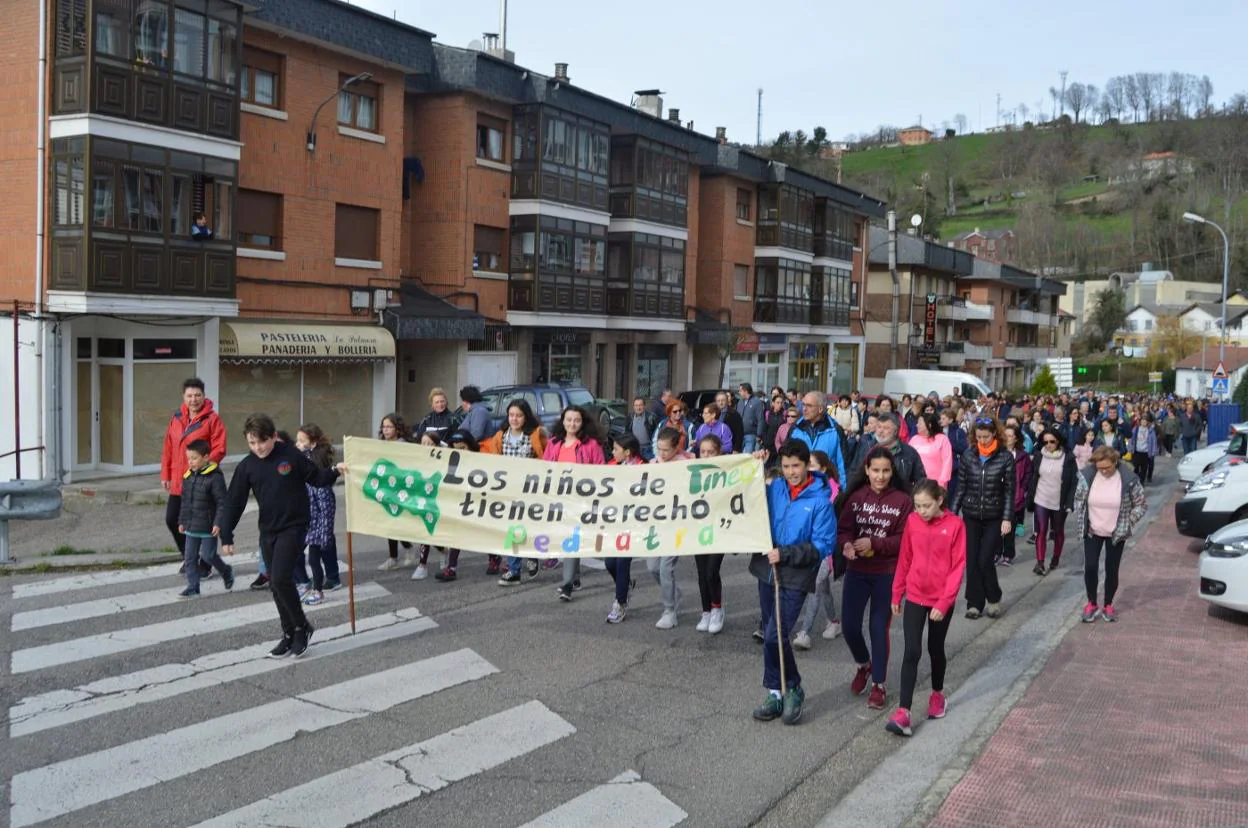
point(1063, 101)
point(758, 141)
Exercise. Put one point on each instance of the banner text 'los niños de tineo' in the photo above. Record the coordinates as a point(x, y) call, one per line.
point(530, 508)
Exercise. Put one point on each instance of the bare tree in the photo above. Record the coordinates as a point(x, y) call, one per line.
point(1145, 82)
point(1055, 95)
point(1023, 109)
point(1077, 98)
point(961, 120)
point(1177, 94)
point(1115, 95)
point(1105, 109)
point(1132, 95)
point(1204, 92)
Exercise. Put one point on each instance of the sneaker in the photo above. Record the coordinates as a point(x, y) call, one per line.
point(261, 582)
point(388, 564)
point(792, 707)
point(492, 568)
point(1031, 538)
point(936, 705)
point(996, 560)
point(1089, 613)
point(801, 641)
point(972, 613)
point(704, 623)
point(832, 631)
point(447, 574)
point(617, 613)
point(771, 708)
point(282, 649)
point(757, 635)
point(303, 589)
point(875, 701)
point(1039, 569)
point(509, 578)
point(189, 593)
point(531, 568)
point(1053, 565)
point(205, 572)
point(420, 573)
point(859, 685)
point(576, 584)
point(409, 559)
point(565, 592)
point(716, 625)
point(667, 620)
point(314, 597)
point(330, 586)
point(1007, 561)
point(1109, 613)
point(301, 639)
point(227, 577)
point(900, 723)
point(993, 610)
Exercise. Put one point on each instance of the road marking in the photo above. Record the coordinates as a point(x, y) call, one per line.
point(357, 793)
point(135, 638)
point(90, 580)
point(62, 707)
point(68, 786)
point(631, 803)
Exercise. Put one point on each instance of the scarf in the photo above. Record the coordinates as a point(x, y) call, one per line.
point(1051, 455)
point(988, 450)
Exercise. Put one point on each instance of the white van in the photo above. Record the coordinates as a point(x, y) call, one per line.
point(923, 381)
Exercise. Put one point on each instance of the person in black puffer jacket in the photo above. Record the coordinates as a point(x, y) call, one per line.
point(200, 516)
point(439, 422)
point(985, 499)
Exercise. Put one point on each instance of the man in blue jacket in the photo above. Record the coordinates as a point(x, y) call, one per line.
point(803, 529)
point(818, 431)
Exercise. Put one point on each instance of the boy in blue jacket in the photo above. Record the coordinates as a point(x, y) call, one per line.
point(803, 529)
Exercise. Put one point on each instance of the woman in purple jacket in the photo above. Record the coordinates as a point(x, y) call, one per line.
point(712, 424)
point(1022, 477)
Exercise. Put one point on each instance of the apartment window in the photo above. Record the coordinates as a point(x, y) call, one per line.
point(491, 133)
point(853, 294)
point(744, 197)
point(487, 249)
point(222, 52)
point(356, 232)
point(112, 28)
point(68, 191)
point(71, 27)
point(103, 192)
point(357, 105)
point(188, 42)
point(262, 76)
point(259, 219)
point(151, 36)
point(740, 279)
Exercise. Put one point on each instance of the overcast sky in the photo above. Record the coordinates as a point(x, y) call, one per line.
point(849, 66)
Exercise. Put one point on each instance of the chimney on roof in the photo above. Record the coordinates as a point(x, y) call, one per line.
point(649, 101)
point(721, 134)
point(561, 73)
point(673, 115)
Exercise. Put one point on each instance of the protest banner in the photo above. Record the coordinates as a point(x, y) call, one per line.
point(530, 508)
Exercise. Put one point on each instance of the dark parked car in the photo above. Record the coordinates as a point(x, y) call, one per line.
point(695, 400)
point(549, 400)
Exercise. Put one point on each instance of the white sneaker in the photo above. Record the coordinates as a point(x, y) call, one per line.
point(409, 558)
point(421, 573)
point(704, 623)
point(667, 620)
point(833, 630)
point(389, 563)
point(801, 641)
point(717, 621)
point(617, 614)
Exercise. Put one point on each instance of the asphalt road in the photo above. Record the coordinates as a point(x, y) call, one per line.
point(129, 708)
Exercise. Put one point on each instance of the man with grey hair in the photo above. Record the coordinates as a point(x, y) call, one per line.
point(820, 432)
point(909, 464)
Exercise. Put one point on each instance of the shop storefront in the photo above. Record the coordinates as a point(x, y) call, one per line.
point(808, 366)
point(341, 377)
point(844, 368)
point(758, 359)
point(559, 356)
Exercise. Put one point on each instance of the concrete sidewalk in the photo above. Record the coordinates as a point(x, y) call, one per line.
point(1143, 722)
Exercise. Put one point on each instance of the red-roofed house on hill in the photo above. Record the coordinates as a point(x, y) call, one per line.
point(994, 245)
point(914, 136)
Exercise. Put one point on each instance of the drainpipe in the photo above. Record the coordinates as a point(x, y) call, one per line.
point(892, 269)
point(40, 181)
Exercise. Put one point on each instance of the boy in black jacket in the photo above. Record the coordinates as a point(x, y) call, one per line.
point(203, 500)
point(276, 472)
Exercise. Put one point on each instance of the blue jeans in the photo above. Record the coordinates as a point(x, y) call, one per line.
point(201, 549)
point(749, 444)
point(620, 569)
point(1189, 444)
point(791, 601)
point(861, 588)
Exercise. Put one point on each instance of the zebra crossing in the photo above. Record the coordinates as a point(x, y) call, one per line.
point(107, 664)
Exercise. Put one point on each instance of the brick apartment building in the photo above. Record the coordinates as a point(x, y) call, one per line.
point(389, 214)
point(992, 320)
point(994, 245)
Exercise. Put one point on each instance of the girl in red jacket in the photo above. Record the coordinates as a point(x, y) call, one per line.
point(929, 573)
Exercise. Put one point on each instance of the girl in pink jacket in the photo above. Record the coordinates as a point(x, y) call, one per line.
point(933, 448)
point(929, 574)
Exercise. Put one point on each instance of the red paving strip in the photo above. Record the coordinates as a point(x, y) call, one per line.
point(1139, 723)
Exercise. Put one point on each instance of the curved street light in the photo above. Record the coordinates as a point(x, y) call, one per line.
point(1193, 218)
point(363, 76)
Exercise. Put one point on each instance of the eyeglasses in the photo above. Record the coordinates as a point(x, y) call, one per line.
point(790, 416)
point(984, 421)
point(1050, 442)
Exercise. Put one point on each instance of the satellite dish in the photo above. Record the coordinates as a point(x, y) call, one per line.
point(916, 220)
point(475, 45)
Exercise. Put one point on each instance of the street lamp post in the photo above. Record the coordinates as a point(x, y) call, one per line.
point(1193, 218)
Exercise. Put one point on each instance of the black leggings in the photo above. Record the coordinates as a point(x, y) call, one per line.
point(983, 544)
point(710, 585)
point(1091, 563)
point(394, 548)
point(1143, 464)
point(913, 618)
point(620, 569)
point(1008, 549)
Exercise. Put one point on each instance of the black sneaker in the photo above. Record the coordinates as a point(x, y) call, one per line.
point(261, 582)
point(227, 577)
point(283, 648)
point(576, 584)
point(792, 707)
point(565, 592)
point(531, 568)
point(771, 708)
point(509, 578)
point(205, 573)
point(1039, 569)
point(189, 593)
point(303, 635)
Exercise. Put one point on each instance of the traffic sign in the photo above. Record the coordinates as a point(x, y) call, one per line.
point(1221, 386)
point(1220, 372)
point(1154, 376)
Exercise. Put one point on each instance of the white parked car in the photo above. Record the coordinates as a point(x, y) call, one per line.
point(1236, 449)
point(1224, 567)
point(1212, 501)
point(1194, 463)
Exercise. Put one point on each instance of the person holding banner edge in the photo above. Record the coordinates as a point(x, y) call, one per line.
point(574, 439)
point(803, 529)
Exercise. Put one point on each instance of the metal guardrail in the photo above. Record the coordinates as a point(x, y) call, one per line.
point(26, 500)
